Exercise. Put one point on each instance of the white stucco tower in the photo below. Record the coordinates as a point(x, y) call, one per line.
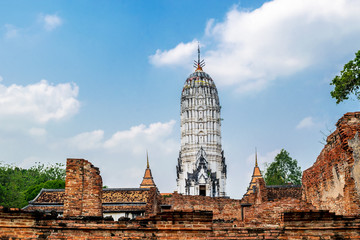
point(201, 168)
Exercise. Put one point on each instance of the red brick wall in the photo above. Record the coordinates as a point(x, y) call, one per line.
point(286, 191)
point(222, 208)
point(333, 182)
point(83, 189)
point(320, 225)
point(177, 225)
point(270, 212)
point(286, 198)
point(265, 193)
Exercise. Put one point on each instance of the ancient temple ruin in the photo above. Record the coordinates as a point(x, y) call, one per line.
point(325, 206)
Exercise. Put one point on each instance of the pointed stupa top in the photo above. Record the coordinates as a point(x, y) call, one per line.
point(199, 64)
point(148, 180)
point(256, 164)
point(256, 175)
point(147, 160)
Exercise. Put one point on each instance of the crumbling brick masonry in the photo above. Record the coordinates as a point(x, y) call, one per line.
point(326, 206)
point(333, 182)
point(83, 189)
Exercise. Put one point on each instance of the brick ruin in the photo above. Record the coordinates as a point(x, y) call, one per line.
point(326, 206)
point(83, 189)
point(333, 182)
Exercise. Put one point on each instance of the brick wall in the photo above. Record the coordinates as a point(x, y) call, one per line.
point(266, 204)
point(333, 182)
point(83, 189)
point(222, 208)
point(16, 224)
point(320, 225)
point(270, 212)
point(283, 191)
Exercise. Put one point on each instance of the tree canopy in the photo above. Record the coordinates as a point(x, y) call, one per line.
point(348, 82)
point(283, 170)
point(18, 185)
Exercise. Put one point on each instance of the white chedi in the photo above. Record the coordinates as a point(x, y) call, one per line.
point(201, 168)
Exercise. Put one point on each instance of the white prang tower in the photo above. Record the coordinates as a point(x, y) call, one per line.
point(201, 168)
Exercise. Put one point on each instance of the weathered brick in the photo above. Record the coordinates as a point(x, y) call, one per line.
point(83, 189)
point(267, 213)
point(333, 182)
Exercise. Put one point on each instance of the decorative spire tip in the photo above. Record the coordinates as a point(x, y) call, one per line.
point(147, 160)
point(256, 163)
point(199, 64)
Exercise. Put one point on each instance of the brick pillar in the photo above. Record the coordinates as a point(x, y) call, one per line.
point(261, 191)
point(83, 189)
point(92, 201)
point(153, 201)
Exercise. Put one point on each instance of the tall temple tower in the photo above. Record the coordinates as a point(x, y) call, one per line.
point(201, 168)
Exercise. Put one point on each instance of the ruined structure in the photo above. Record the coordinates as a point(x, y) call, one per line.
point(83, 189)
point(84, 196)
point(326, 206)
point(201, 168)
point(333, 182)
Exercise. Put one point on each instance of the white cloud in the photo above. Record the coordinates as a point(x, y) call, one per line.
point(88, 140)
point(140, 137)
point(48, 22)
point(254, 48)
point(11, 31)
point(122, 156)
point(179, 55)
point(135, 140)
point(40, 102)
point(37, 132)
point(307, 122)
point(51, 21)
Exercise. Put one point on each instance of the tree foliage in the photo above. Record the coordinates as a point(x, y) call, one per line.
point(33, 191)
point(283, 170)
point(348, 82)
point(18, 185)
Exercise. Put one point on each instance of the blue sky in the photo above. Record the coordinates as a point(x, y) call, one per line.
point(102, 81)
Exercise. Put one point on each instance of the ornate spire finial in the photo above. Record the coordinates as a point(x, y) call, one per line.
point(199, 64)
point(256, 163)
point(147, 160)
point(198, 52)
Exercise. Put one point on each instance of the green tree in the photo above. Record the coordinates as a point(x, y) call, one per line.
point(33, 191)
point(17, 185)
point(283, 170)
point(348, 82)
